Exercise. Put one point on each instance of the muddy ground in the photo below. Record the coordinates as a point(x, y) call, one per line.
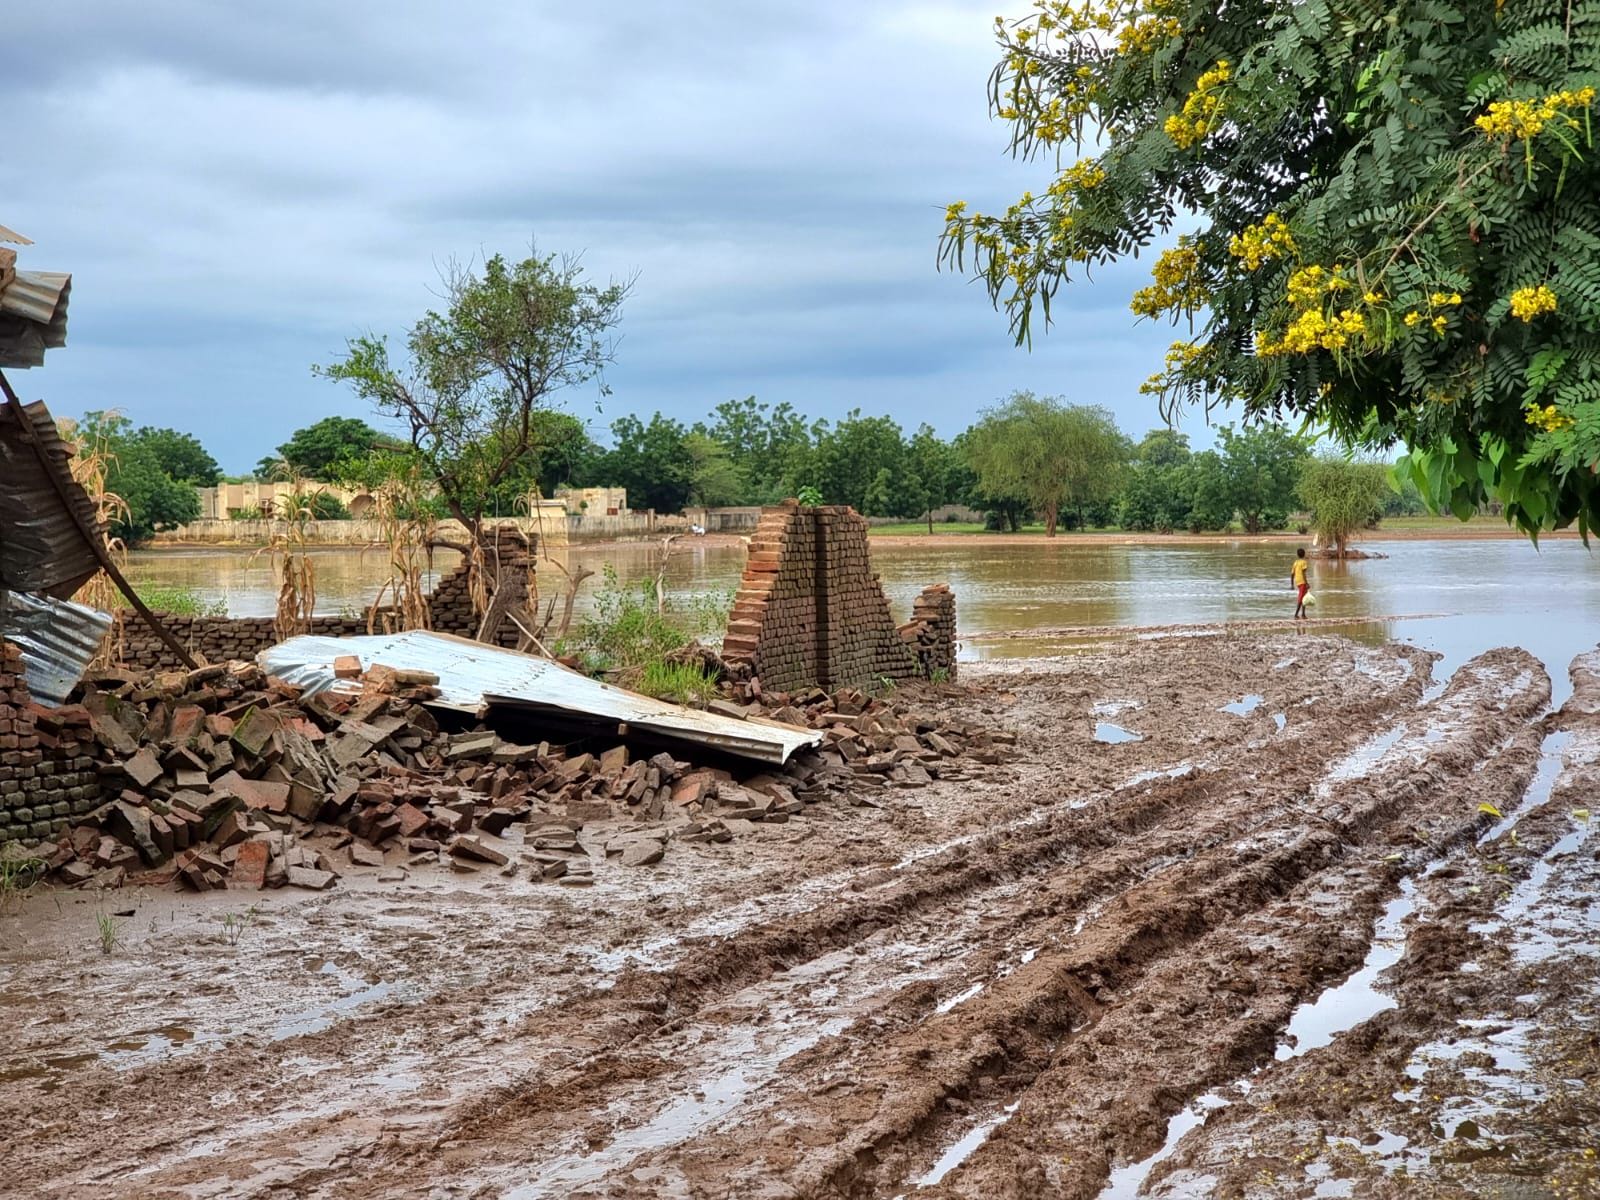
point(1329, 929)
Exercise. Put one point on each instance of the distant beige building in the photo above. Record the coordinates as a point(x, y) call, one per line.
point(231, 501)
point(595, 501)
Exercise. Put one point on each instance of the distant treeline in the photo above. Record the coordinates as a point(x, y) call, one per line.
point(1029, 458)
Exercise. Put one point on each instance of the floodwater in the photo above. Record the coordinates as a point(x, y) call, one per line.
point(1454, 596)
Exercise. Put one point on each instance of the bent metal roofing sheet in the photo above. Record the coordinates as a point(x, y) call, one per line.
point(473, 675)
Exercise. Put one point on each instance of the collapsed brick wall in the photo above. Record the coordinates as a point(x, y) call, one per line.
point(47, 772)
point(810, 610)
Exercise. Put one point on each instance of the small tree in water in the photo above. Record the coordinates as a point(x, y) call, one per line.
point(1343, 497)
point(509, 339)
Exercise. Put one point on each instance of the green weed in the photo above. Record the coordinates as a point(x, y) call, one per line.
point(180, 601)
point(234, 924)
point(685, 683)
point(110, 930)
point(18, 875)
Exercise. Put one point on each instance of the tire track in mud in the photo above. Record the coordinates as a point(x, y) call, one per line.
point(1107, 838)
point(1483, 1077)
point(1015, 1027)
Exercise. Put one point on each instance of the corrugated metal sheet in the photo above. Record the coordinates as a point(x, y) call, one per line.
point(37, 296)
point(41, 549)
point(57, 637)
point(472, 675)
point(33, 316)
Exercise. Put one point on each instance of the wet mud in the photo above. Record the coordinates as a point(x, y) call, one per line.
point(1319, 926)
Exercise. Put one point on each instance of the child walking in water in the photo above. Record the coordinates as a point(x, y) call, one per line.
point(1297, 575)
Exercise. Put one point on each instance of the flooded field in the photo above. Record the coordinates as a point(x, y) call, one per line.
point(1457, 597)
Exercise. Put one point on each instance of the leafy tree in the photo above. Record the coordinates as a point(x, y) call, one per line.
point(325, 506)
point(511, 337)
point(1342, 496)
point(1055, 454)
point(151, 499)
point(318, 451)
point(849, 457)
point(713, 479)
point(896, 492)
point(1262, 467)
point(937, 467)
point(652, 461)
point(1212, 508)
point(179, 455)
point(1395, 216)
point(1159, 492)
point(771, 447)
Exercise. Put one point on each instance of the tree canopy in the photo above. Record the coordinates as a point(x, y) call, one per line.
point(323, 451)
point(150, 497)
point(481, 373)
point(179, 455)
point(1342, 497)
point(1056, 455)
point(1389, 216)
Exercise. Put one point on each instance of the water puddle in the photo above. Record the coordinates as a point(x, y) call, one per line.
point(1357, 999)
point(323, 1016)
point(1280, 721)
point(1539, 787)
point(1125, 1182)
point(945, 1006)
point(1360, 761)
point(681, 1119)
point(1105, 731)
point(1244, 707)
point(1112, 708)
point(962, 1149)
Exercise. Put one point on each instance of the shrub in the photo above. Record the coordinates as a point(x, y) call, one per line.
point(180, 601)
point(683, 682)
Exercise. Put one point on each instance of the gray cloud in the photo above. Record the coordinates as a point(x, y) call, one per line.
point(239, 191)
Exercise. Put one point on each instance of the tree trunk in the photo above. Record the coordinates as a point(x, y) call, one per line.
point(1050, 522)
point(930, 520)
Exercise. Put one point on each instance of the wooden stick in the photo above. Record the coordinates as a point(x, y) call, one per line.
point(90, 536)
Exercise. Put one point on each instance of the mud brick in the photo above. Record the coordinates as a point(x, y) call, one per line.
point(310, 877)
point(233, 828)
point(669, 767)
point(74, 873)
point(412, 820)
point(346, 666)
point(130, 825)
point(253, 731)
point(384, 828)
point(365, 856)
point(188, 723)
point(354, 741)
point(304, 802)
point(455, 817)
point(496, 820)
point(422, 845)
point(84, 839)
point(161, 832)
point(507, 752)
point(588, 810)
point(642, 853)
point(219, 726)
point(143, 768)
point(471, 745)
point(698, 787)
point(220, 759)
point(340, 799)
point(477, 850)
point(250, 866)
point(614, 760)
point(583, 764)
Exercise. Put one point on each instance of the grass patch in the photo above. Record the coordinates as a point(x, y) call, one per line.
point(18, 875)
point(180, 601)
point(110, 931)
point(683, 683)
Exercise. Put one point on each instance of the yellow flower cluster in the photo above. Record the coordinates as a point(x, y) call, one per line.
point(1180, 355)
point(1082, 176)
point(1312, 329)
point(1549, 418)
point(952, 214)
point(1200, 110)
point(1262, 243)
point(1530, 302)
point(1309, 285)
point(1177, 286)
point(1147, 33)
point(1438, 322)
point(1527, 118)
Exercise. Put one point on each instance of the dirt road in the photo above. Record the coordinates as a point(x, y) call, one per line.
point(1329, 927)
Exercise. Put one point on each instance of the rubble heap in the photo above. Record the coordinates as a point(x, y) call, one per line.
point(222, 777)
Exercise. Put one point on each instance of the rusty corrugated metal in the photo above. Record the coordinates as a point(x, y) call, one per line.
point(473, 675)
point(58, 639)
point(33, 316)
point(41, 548)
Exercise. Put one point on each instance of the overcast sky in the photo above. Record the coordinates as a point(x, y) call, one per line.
point(236, 192)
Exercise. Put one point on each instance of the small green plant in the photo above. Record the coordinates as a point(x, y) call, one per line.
point(939, 675)
point(234, 924)
point(629, 626)
point(809, 496)
point(684, 683)
point(18, 875)
point(180, 601)
point(110, 930)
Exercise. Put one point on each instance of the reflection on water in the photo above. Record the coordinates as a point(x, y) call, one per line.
point(1456, 597)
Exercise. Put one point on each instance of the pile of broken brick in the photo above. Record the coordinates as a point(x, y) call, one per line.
point(224, 778)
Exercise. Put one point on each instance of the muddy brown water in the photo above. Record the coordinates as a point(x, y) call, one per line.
point(1456, 597)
